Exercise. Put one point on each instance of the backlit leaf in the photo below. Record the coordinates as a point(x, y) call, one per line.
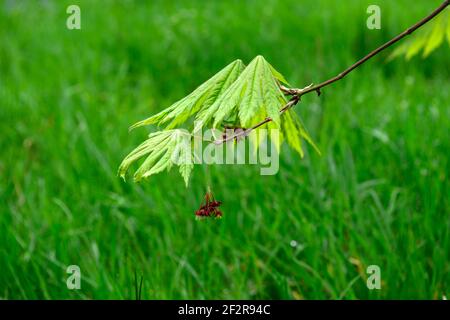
point(163, 149)
point(436, 37)
point(428, 39)
point(294, 131)
point(255, 90)
point(202, 97)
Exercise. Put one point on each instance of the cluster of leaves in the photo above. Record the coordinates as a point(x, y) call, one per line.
point(238, 96)
point(163, 149)
point(427, 39)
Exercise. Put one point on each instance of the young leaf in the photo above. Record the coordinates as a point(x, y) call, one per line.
point(255, 92)
point(233, 96)
point(427, 39)
point(294, 131)
point(291, 133)
point(436, 36)
point(448, 29)
point(163, 149)
point(184, 157)
point(202, 97)
point(278, 75)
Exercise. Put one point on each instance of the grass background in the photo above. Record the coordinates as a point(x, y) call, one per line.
point(379, 194)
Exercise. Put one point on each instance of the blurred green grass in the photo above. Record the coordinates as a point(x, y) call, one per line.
point(379, 194)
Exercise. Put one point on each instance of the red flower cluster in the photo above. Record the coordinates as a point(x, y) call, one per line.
point(210, 207)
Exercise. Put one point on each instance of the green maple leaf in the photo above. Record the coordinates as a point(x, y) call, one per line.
point(254, 95)
point(427, 39)
point(242, 95)
point(163, 149)
point(202, 97)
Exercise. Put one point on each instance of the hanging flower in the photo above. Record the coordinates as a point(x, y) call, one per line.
point(209, 207)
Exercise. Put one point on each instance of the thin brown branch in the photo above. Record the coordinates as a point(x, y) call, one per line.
point(297, 93)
